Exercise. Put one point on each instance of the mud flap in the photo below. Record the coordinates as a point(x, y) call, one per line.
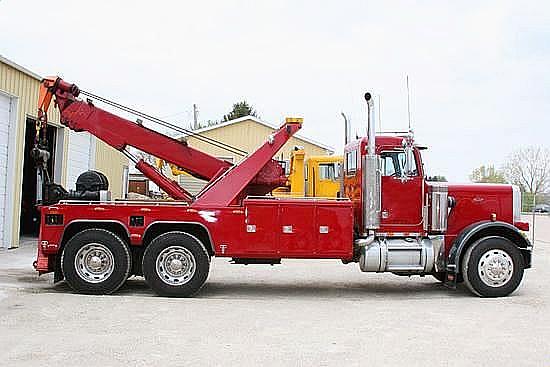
point(58, 273)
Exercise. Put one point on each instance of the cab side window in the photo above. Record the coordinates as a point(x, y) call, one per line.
point(394, 163)
point(327, 171)
point(351, 162)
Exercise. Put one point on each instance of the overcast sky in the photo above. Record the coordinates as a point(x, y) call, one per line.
point(479, 70)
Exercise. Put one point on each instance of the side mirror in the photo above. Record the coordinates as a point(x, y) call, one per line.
point(409, 164)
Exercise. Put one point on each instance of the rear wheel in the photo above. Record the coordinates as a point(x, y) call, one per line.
point(176, 264)
point(492, 267)
point(96, 261)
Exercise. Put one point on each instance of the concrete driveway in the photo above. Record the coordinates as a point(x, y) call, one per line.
point(305, 313)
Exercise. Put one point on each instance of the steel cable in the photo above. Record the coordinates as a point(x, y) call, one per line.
point(168, 125)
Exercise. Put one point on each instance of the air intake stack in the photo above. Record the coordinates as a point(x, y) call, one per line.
point(371, 174)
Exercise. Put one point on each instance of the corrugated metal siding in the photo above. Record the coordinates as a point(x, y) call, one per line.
point(79, 156)
point(111, 163)
point(191, 184)
point(5, 123)
point(25, 88)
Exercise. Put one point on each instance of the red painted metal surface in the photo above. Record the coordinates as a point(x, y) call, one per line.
point(478, 202)
point(252, 230)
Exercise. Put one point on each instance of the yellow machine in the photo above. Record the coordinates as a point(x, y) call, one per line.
point(318, 176)
point(173, 168)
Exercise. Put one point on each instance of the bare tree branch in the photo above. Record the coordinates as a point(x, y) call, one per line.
point(529, 168)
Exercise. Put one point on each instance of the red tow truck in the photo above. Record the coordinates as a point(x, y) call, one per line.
point(388, 218)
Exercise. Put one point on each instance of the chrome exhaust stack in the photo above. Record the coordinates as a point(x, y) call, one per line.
point(371, 175)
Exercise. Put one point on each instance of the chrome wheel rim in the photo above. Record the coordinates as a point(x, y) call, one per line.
point(176, 265)
point(94, 262)
point(495, 268)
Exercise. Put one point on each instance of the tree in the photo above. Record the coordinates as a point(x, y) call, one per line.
point(487, 175)
point(436, 178)
point(529, 168)
point(240, 109)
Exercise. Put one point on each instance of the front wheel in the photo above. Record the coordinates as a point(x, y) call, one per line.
point(492, 267)
point(176, 264)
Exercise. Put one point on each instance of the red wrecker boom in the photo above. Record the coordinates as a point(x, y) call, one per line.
point(119, 133)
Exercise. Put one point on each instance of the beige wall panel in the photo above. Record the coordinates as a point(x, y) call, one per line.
point(248, 136)
point(111, 163)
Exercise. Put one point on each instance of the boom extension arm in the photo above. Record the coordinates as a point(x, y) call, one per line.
point(119, 132)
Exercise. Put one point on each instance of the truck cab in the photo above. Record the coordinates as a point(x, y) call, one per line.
point(402, 180)
point(312, 176)
point(445, 221)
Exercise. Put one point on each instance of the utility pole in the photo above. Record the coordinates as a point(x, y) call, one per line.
point(195, 117)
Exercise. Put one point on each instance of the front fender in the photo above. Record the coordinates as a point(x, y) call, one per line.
point(482, 229)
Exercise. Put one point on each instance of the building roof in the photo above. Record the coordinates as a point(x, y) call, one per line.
point(258, 121)
point(20, 68)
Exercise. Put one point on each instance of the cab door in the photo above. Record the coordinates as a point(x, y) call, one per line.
point(402, 193)
point(324, 179)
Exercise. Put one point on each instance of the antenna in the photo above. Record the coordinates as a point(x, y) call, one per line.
point(408, 102)
point(379, 112)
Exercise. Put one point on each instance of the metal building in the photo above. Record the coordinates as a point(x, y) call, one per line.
point(71, 154)
point(246, 133)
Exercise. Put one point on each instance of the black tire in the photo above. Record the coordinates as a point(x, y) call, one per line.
point(175, 282)
point(79, 273)
point(480, 252)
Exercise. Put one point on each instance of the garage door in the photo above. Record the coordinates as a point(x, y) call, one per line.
point(5, 118)
point(80, 157)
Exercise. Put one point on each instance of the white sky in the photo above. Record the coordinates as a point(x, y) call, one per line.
point(479, 71)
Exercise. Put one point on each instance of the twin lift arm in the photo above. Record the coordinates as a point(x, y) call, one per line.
point(257, 174)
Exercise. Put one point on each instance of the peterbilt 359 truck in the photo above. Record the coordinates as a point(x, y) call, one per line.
point(388, 218)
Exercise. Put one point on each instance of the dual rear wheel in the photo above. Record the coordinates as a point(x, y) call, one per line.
point(97, 261)
point(176, 264)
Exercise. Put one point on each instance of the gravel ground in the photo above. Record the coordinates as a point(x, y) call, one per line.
point(305, 313)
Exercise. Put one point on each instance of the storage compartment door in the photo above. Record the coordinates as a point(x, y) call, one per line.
point(261, 230)
point(297, 234)
point(334, 232)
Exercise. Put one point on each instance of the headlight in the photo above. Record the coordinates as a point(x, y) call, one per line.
point(516, 202)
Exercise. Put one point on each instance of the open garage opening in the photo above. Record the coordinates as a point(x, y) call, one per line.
point(30, 218)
